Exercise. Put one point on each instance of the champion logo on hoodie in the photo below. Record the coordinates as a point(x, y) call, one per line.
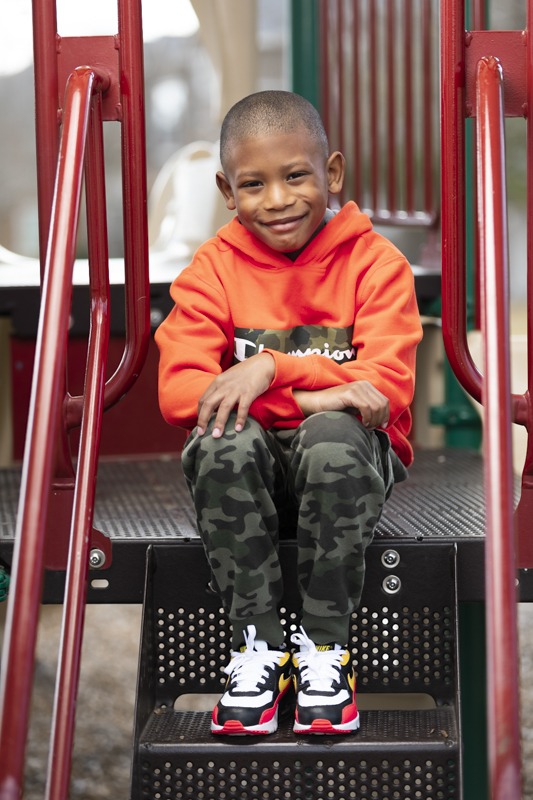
point(303, 340)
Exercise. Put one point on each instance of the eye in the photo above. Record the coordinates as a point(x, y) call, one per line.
point(251, 184)
point(294, 176)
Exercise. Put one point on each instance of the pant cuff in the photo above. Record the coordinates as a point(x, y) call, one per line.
point(268, 628)
point(325, 630)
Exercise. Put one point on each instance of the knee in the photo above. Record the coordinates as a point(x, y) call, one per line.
point(231, 450)
point(335, 428)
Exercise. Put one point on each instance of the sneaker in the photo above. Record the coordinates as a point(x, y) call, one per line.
point(258, 679)
point(324, 680)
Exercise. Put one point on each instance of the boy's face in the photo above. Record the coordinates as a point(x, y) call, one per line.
point(279, 185)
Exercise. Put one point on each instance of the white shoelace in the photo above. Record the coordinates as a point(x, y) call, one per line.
point(318, 668)
point(250, 666)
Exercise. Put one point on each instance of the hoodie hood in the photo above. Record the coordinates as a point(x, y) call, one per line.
point(349, 223)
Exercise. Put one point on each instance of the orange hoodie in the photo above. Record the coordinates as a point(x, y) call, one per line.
point(344, 310)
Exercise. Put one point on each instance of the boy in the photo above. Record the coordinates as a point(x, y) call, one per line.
point(290, 354)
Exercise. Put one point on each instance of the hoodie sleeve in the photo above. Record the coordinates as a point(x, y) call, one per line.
point(193, 344)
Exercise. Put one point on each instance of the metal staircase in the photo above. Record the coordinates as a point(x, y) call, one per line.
point(427, 555)
point(404, 638)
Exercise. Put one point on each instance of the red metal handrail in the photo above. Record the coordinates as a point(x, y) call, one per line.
point(16, 675)
point(63, 720)
point(456, 101)
point(130, 111)
point(459, 50)
point(453, 209)
point(501, 622)
point(46, 456)
point(134, 194)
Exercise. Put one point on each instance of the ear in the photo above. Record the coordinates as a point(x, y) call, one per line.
point(335, 166)
point(226, 191)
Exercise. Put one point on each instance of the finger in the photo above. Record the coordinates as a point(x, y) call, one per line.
point(222, 415)
point(207, 406)
point(204, 415)
point(242, 414)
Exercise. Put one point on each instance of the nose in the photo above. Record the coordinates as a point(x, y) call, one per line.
point(277, 195)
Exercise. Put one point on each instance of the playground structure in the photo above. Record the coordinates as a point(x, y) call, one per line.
point(411, 634)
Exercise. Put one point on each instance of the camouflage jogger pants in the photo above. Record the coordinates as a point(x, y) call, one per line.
point(331, 475)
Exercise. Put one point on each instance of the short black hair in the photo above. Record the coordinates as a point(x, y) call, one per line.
point(271, 111)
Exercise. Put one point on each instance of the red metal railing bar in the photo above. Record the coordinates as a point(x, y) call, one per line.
point(325, 66)
point(374, 94)
point(47, 122)
point(356, 114)
point(453, 199)
point(502, 647)
point(409, 111)
point(454, 328)
point(524, 512)
point(392, 120)
point(340, 74)
point(453, 76)
point(21, 626)
point(63, 720)
point(427, 111)
point(46, 112)
point(134, 193)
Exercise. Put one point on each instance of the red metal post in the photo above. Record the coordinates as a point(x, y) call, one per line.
point(502, 648)
point(453, 197)
point(16, 675)
point(427, 118)
point(409, 107)
point(63, 723)
point(524, 512)
point(47, 122)
point(356, 83)
point(392, 121)
point(374, 94)
point(46, 111)
point(48, 389)
point(134, 194)
point(339, 46)
point(325, 66)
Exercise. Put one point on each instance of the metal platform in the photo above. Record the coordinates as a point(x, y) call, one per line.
point(142, 502)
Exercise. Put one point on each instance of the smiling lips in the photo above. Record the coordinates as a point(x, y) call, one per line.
point(283, 225)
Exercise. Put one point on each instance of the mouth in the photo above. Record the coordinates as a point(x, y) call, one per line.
point(283, 225)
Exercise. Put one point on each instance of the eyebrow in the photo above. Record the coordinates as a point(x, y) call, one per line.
point(254, 174)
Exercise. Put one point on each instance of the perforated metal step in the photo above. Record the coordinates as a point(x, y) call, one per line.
point(395, 755)
point(404, 644)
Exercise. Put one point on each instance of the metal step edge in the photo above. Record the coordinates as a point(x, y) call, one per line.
point(433, 730)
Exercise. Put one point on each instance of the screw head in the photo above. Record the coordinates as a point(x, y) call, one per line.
point(390, 558)
point(96, 558)
point(392, 584)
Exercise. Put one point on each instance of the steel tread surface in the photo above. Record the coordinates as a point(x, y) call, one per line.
point(395, 756)
point(148, 499)
point(434, 728)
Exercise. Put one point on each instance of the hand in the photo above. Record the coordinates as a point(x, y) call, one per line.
point(237, 387)
point(361, 397)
